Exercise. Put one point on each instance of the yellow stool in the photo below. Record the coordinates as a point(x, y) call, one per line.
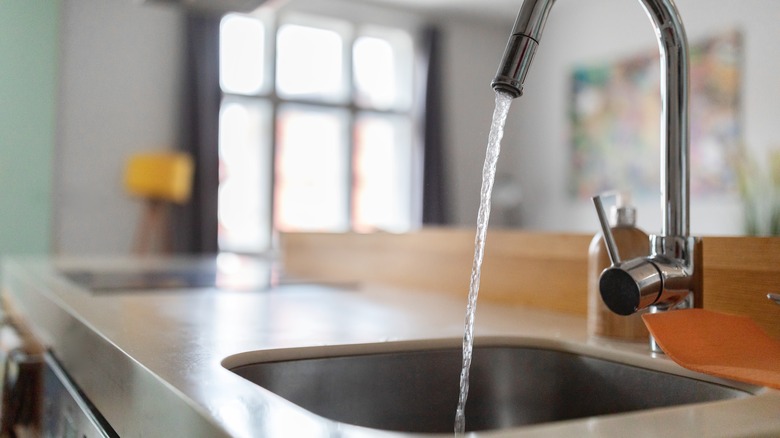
point(160, 179)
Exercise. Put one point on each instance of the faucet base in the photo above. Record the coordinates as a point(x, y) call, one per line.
point(682, 271)
point(686, 303)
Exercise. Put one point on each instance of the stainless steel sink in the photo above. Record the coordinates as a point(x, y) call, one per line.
point(416, 390)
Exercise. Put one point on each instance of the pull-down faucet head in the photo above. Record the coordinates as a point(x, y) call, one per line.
point(521, 47)
point(666, 277)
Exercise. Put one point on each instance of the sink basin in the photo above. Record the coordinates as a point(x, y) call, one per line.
point(416, 390)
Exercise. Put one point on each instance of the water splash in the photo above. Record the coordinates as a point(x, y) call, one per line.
point(503, 102)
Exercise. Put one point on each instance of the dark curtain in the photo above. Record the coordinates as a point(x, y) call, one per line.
point(195, 224)
point(434, 171)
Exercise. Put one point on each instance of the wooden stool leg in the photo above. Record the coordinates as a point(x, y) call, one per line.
point(151, 218)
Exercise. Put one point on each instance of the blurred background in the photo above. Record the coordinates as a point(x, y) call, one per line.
point(367, 115)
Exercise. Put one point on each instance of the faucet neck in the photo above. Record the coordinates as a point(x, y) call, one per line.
point(675, 128)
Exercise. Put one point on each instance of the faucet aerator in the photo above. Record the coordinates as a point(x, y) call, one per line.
point(507, 87)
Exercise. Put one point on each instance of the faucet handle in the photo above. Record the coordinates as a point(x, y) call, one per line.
point(606, 229)
point(629, 286)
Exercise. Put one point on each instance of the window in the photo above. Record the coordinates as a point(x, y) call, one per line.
point(311, 192)
point(316, 129)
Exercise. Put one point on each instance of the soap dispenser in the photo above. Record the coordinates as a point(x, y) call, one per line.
point(631, 242)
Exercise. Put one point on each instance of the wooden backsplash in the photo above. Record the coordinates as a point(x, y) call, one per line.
point(526, 268)
point(738, 273)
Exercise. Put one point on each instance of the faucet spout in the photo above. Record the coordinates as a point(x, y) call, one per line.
point(672, 250)
point(675, 130)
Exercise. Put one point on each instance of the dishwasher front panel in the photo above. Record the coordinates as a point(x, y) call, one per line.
point(66, 412)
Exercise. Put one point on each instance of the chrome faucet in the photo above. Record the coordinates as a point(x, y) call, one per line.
point(669, 277)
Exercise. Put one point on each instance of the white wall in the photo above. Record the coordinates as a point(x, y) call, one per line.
point(587, 30)
point(471, 51)
point(119, 93)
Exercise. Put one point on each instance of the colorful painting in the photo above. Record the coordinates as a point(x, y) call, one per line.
point(615, 115)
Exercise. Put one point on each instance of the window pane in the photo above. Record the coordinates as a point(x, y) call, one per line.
point(245, 175)
point(382, 64)
point(242, 54)
point(383, 174)
point(310, 63)
point(311, 191)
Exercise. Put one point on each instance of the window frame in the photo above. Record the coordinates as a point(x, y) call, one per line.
point(350, 30)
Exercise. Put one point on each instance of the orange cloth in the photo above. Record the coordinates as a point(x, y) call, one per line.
point(715, 343)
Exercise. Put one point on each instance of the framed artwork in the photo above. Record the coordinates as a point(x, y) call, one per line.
point(615, 114)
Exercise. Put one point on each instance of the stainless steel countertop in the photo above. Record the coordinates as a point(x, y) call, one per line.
point(151, 360)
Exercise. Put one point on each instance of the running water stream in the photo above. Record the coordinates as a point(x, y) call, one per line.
point(503, 102)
